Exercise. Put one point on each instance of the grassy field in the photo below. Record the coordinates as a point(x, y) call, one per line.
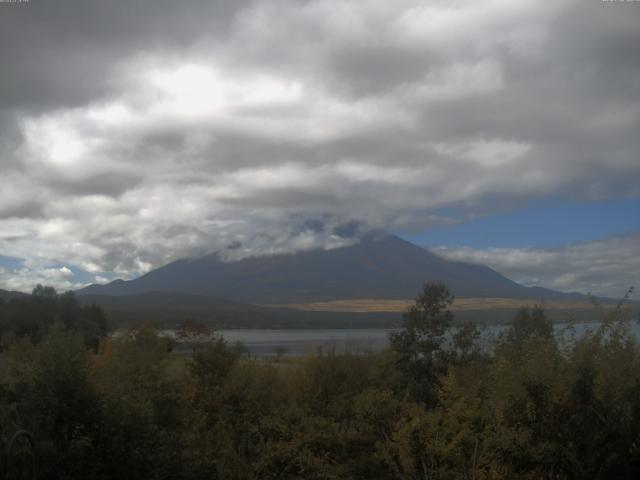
point(367, 305)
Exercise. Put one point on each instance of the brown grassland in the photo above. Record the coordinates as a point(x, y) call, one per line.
point(368, 305)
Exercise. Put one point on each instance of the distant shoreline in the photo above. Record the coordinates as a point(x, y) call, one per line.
point(360, 305)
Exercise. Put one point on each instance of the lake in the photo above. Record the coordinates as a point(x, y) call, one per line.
point(262, 343)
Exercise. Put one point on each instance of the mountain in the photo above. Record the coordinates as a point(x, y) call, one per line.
point(7, 295)
point(380, 266)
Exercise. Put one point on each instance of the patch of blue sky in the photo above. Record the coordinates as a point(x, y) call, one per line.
point(10, 263)
point(547, 223)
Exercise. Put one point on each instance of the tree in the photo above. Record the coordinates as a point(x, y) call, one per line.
point(48, 387)
point(32, 316)
point(466, 343)
point(142, 392)
point(210, 366)
point(44, 291)
point(418, 345)
point(279, 352)
point(530, 321)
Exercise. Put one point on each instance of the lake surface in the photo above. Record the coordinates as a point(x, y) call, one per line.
point(261, 343)
point(301, 342)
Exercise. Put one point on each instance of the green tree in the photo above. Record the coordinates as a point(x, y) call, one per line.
point(530, 321)
point(33, 316)
point(418, 345)
point(211, 365)
point(466, 343)
point(144, 401)
point(49, 388)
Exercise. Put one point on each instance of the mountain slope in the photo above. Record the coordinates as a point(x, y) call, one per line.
point(7, 295)
point(381, 266)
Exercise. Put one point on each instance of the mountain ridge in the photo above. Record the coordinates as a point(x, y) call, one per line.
point(7, 295)
point(380, 266)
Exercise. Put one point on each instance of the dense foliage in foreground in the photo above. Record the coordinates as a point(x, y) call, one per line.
point(431, 406)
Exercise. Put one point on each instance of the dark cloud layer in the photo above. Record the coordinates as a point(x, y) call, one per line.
point(62, 53)
point(133, 133)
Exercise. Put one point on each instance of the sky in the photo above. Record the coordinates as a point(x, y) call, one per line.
point(497, 132)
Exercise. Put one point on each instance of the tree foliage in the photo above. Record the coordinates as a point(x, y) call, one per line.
point(418, 345)
point(434, 405)
point(34, 315)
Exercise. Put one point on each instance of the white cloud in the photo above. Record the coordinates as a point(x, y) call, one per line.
point(25, 278)
point(487, 153)
point(605, 267)
point(307, 113)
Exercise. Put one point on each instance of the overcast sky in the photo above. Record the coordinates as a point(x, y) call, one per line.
point(133, 133)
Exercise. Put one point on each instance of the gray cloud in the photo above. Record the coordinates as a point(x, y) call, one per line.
point(134, 133)
point(604, 267)
point(63, 53)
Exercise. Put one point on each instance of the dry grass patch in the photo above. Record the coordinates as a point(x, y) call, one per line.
point(369, 305)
